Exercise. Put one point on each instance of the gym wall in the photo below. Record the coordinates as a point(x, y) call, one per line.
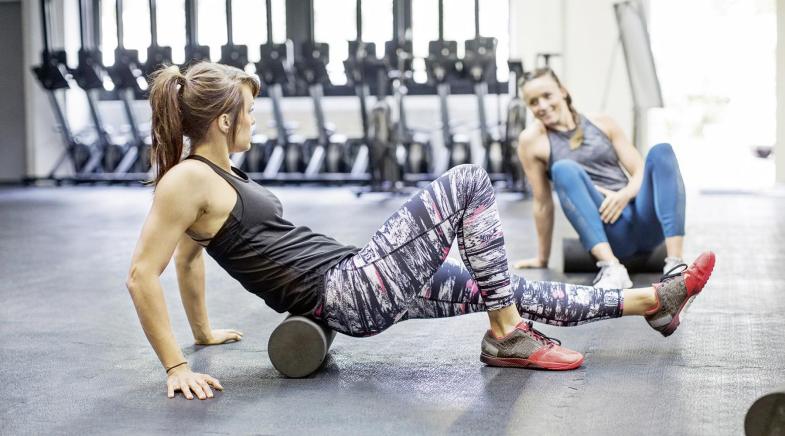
point(12, 115)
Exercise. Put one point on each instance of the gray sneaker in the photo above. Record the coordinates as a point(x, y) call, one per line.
point(675, 292)
point(612, 275)
point(525, 347)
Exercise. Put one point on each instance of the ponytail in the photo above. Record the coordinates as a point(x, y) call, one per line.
point(184, 105)
point(167, 122)
point(577, 137)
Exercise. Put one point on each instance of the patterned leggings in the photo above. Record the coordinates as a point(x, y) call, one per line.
point(404, 273)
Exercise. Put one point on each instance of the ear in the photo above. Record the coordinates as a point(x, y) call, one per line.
point(224, 123)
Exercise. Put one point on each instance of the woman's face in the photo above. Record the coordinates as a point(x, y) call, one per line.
point(245, 123)
point(546, 99)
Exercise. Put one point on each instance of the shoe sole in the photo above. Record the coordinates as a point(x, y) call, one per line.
point(514, 362)
point(674, 324)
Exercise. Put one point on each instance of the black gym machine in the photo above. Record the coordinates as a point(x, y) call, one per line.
point(442, 66)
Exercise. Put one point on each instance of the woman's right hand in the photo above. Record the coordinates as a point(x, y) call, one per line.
point(534, 262)
point(189, 383)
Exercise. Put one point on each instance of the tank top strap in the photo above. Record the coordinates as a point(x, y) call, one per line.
point(240, 176)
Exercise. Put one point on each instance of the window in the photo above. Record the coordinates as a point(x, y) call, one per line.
point(335, 24)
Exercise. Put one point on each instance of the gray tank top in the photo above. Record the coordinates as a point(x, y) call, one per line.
point(596, 155)
point(282, 263)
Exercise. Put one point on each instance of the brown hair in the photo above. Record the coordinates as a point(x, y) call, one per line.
point(577, 138)
point(184, 104)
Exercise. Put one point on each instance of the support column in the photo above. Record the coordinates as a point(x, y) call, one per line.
point(779, 147)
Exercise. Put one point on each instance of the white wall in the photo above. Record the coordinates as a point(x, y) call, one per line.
point(585, 33)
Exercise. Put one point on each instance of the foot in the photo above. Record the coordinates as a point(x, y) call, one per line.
point(671, 262)
point(525, 347)
point(612, 275)
point(676, 290)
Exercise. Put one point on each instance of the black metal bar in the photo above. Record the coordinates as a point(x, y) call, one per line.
point(191, 25)
point(118, 10)
point(268, 4)
point(153, 23)
point(476, 18)
point(82, 30)
point(359, 19)
point(96, 9)
point(45, 14)
point(299, 22)
point(229, 30)
point(441, 20)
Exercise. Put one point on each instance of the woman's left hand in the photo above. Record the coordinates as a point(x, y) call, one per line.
point(613, 204)
point(221, 336)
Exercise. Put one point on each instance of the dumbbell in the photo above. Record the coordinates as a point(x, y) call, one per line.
point(299, 345)
point(578, 260)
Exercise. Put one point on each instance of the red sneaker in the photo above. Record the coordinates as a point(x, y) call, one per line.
point(676, 290)
point(525, 347)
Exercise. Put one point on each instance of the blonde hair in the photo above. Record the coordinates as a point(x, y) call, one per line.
point(184, 105)
point(577, 137)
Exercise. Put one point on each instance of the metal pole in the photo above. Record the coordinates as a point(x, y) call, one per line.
point(441, 20)
point(229, 31)
point(269, 5)
point(153, 24)
point(45, 14)
point(191, 26)
point(359, 20)
point(119, 20)
point(476, 18)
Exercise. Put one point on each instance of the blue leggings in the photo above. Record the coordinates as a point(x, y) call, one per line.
point(657, 212)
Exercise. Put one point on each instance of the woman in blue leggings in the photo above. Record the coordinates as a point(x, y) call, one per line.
point(619, 204)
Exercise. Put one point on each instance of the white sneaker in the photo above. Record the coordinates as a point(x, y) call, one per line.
point(612, 275)
point(670, 263)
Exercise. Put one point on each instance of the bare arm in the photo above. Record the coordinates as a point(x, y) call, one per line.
point(176, 206)
point(189, 262)
point(535, 168)
point(629, 157)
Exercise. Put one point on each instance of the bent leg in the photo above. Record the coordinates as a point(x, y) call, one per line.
point(661, 202)
point(580, 201)
point(452, 292)
point(371, 291)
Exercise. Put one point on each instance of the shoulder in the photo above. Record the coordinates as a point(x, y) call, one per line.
point(185, 183)
point(533, 140)
point(604, 122)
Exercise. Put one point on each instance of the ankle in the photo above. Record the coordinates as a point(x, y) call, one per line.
point(503, 321)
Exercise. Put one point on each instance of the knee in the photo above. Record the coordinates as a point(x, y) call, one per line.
point(471, 172)
point(566, 172)
point(661, 153)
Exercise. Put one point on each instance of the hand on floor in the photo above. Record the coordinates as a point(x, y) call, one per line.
point(221, 336)
point(189, 383)
point(534, 262)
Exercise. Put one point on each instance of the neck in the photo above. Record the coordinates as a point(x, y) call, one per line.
point(565, 121)
point(215, 153)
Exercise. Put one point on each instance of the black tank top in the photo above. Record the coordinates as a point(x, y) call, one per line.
point(282, 263)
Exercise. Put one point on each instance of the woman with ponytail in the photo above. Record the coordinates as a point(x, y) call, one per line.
point(618, 204)
point(202, 203)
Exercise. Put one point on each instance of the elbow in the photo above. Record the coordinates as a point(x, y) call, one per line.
point(136, 277)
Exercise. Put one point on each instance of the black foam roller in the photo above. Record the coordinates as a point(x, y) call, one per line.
point(299, 345)
point(578, 260)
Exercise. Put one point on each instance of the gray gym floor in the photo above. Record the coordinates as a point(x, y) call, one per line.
point(75, 360)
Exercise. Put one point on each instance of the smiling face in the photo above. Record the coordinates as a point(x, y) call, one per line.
point(547, 100)
point(245, 123)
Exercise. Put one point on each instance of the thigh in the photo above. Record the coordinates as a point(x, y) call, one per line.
point(371, 291)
